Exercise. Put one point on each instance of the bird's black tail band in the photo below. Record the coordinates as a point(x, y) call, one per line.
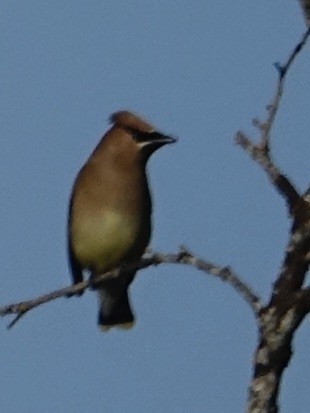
point(115, 310)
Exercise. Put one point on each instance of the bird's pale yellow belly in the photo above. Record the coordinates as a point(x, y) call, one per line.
point(101, 241)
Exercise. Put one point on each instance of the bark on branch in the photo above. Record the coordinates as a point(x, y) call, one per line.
point(225, 274)
point(289, 302)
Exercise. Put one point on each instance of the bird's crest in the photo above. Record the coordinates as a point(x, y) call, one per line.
point(126, 119)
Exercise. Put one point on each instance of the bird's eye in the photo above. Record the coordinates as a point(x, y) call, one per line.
point(155, 136)
point(139, 136)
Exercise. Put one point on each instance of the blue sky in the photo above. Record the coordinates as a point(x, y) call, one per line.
point(199, 72)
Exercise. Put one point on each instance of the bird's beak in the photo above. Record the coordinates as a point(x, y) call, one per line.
point(154, 141)
point(168, 139)
point(164, 139)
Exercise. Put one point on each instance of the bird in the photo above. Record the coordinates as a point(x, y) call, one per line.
point(110, 213)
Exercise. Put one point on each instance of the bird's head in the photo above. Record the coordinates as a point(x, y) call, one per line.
point(144, 139)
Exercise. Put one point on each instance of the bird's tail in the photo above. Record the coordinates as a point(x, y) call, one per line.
point(115, 310)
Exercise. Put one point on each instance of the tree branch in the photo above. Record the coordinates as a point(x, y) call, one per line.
point(296, 262)
point(260, 152)
point(289, 303)
point(277, 178)
point(225, 274)
point(282, 72)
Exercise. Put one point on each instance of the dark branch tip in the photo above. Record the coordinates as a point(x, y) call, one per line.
point(280, 69)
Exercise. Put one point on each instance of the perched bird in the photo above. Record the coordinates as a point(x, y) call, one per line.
point(110, 211)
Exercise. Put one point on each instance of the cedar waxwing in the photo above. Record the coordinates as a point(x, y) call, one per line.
point(110, 210)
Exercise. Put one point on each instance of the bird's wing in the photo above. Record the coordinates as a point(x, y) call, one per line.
point(75, 267)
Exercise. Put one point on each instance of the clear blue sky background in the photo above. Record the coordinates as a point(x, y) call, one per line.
point(198, 70)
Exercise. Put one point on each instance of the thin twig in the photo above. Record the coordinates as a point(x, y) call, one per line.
point(277, 178)
point(183, 257)
point(260, 152)
point(226, 274)
point(275, 104)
